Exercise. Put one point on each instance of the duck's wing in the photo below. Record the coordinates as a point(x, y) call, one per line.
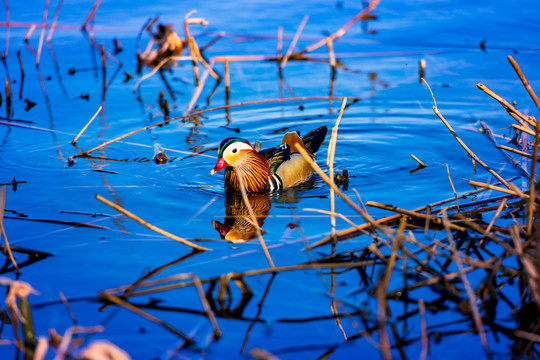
point(276, 156)
point(314, 139)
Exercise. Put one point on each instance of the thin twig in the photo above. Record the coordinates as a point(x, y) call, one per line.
point(531, 204)
point(7, 28)
point(293, 42)
point(87, 124)
point(524, 81)
point(51, 29)
point(150, 226)
point(465, 147)
point(254, 219)
point(42, 32)
point(452, 184)
point(516, 114)
point(91, 14)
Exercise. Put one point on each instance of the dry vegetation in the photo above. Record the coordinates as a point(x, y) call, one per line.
point(495, 240)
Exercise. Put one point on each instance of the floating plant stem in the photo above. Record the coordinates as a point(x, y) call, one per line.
point(53, 25)
point(293, 42)
point(150, 226)
point(87, 124)
point(452, 184)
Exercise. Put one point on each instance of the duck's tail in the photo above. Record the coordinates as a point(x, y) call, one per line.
point(314, 139)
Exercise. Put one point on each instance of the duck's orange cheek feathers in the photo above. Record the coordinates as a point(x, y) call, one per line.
point(221, 163)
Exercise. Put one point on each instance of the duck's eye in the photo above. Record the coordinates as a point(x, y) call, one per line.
point(234, 151)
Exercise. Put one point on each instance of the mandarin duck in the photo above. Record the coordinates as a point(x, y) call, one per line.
point(271, 169)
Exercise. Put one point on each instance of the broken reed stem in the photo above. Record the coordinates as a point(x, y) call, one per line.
point(43, 25)
point(248, 273)
point(206, 305)
point(51, 29)
point(465, 147)
point(7, 29)
point(331, 55)
point(90, 15)
point(198, 91)
point(498, 188)
point(157, 67)
point(117, 301)
point(254, 219)
point(22, 73)
point(418, 160)
point(191, 47)
point(423, 327)
point(279, 41)
point(470, 293)
point(87, 124)
point(434, 219)
point(524, 129)
point(532, 196)
point(330, 164)
point(342, 31)
point(515, 151)
point(205, 111)
point(524, 80)
point(492, 222)
point(30, 32)
point(452, 184)
point(150, 226)
point(3, 195)
point(516, 114)
point(293, 42)
point(227, 77)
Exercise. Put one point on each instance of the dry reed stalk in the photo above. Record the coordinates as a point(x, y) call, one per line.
point(8, 97)
point(331, 55)
point(91, 15)
point(530, 269)
point(524, 80)
point(418, 160)
point(2, 208)
point(198, 91)
point(515, 151)
point(227, 77)
point(433, 219)
point(465, 147)
point(492, 222)
point(470, 293)
point(279, 41)
point(452, 184)
point(362, 15)
point(498, 188)
point(262, 354)
point(490, 136)
point(293, 42)
point(205, 111)
point(43, 25)
point(87, 124)
point(29, 33)
point(7, 28)
point(254, 219)
point(423, 327)
point(22, 73)
point(156, 68)
point(532, 184)
point(524, 129)
point(191, 46)
point(248, 273)
point(150, 226)
point(516, 114)
point(206, 305)
point(202, 60)
point(53, 25)
point(120, 302)
point(330, 164)
point(68, 308)
point(384, 346)
point(348, 200)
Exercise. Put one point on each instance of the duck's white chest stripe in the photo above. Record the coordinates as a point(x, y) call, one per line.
point(275, 182)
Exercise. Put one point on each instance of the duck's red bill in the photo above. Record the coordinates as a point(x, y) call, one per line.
point(221, 163)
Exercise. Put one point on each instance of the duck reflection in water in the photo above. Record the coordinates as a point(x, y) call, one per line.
point(237, 226)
